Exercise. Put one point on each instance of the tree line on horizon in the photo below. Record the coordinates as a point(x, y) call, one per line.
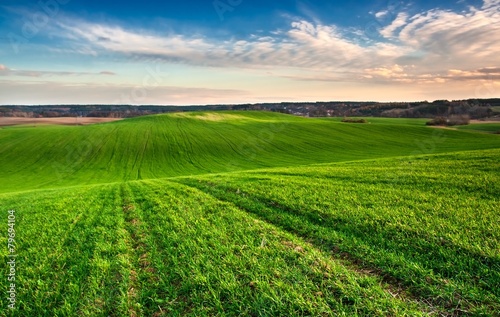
point(474, 108)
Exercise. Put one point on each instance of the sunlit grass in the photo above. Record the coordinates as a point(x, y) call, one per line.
point(309, 218)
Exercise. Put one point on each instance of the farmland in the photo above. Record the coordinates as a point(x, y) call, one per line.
point(251, 213)
point(483, 127)
point(178, 145)
point(14, 121)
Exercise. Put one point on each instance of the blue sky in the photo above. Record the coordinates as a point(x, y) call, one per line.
point(238, 51)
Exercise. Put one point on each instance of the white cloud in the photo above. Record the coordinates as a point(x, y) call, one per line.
point(434, 41)
point(390, 30)
point(446, 39)
point(420, 48)
point(304, 45)
point(490, 3)
point(407, 74)
point(107, 72)
point(381, 14)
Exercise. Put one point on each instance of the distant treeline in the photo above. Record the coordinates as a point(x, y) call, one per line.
point(475, 108)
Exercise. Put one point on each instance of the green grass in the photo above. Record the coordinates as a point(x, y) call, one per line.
point(254, 214)
point(188, 144)
point(482, 127)
point(386, 121)
point(162, 248)
point(416, 222)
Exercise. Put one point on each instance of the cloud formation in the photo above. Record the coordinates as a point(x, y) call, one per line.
point(305, 45)
point(443, 40)
point(428, 44)
point(438, 50)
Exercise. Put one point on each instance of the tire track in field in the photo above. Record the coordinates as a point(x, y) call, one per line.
point(166, 137)
point(94, 152)
point(390, 285)
point(67, 274)
point(131, 221)
point(186, 139)
point(319, 270)
point(72, 168)
point(171, 153)
point(113, 149)
point(226, 140)
point(105, 279)
point(139, 157)
point(140, 270)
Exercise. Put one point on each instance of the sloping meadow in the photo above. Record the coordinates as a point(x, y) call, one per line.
point(184, 144)
point(403, 237)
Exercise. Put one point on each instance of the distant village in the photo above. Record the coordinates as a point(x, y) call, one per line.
point(474, 108)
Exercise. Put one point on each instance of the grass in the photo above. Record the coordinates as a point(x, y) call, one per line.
point(161, 248)
point(183, 144)
point(385, 121)
point(174, 215)
point(482, 127)
point(415, 222)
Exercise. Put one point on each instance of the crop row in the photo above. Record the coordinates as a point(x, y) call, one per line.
point(408, 236)
point(428, 225)
point(156, 248)
point(173, 145)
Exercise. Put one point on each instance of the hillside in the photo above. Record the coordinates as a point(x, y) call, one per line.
point(182, 144)
point(400, 237)
point(249, 213)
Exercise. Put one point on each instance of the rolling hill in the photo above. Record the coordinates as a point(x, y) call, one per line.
point(198, 143)
point(250, 213)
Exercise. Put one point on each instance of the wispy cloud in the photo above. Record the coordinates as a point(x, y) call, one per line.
point(304, 45)
point(106, 72)
point(444, 39)
point(5, 71)
point(490, 3)
point(406, 74)
point(436, 48)
point(431, 42)
point(390, 30)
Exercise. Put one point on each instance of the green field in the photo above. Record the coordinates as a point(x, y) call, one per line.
point(251, 214)
point(482, 127)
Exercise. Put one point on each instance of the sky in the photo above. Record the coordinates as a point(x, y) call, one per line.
point(247, 51)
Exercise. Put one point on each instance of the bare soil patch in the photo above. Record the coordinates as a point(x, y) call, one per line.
point(10, 121)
